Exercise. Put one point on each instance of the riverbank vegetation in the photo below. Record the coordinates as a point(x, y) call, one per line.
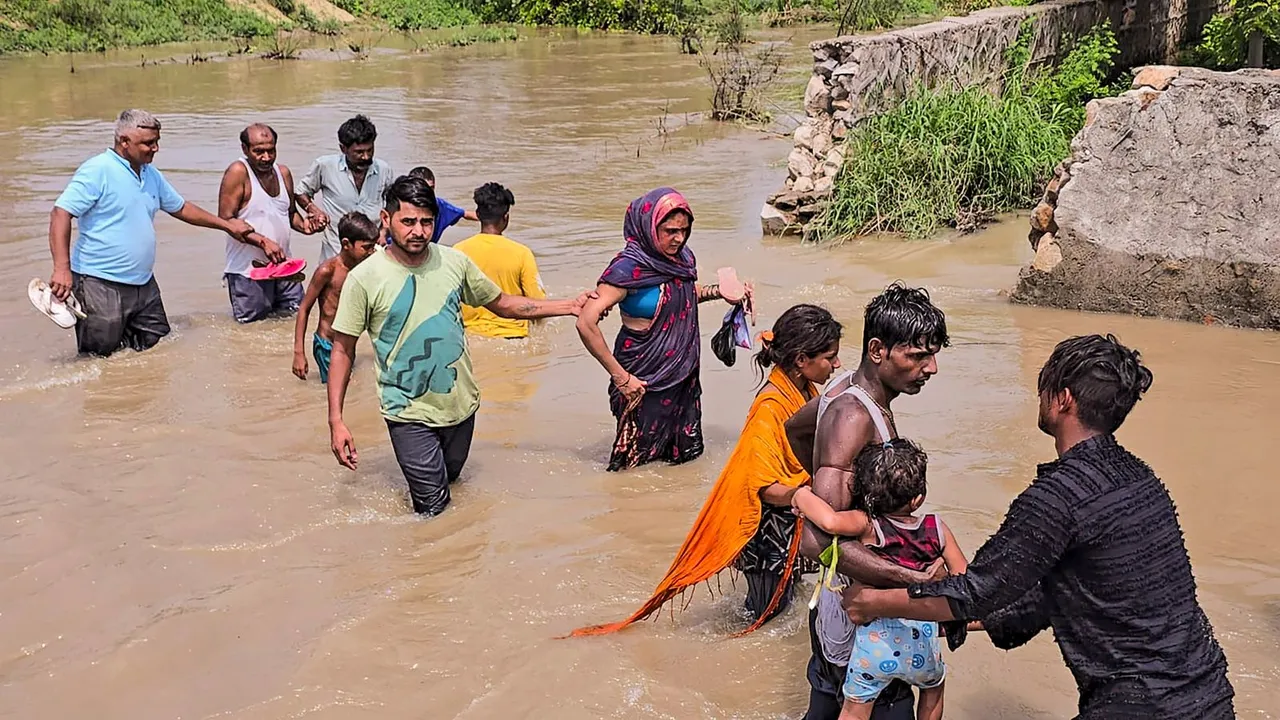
point(95, 25)
point(958, 156)
point(1245, 34)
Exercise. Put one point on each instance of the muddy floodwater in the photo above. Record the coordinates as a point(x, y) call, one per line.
point(178, 541)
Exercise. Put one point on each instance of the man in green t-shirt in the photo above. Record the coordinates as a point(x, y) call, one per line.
point(409, 299)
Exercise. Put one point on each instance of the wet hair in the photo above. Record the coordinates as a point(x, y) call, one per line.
point(801, 330)
point(902, 315)
point(1105, 378)
point(357, 131)
point(423, 172)
point(356, 226)
point(891, 475)
point(493, 201)
point(244, 134)
point(413, 191)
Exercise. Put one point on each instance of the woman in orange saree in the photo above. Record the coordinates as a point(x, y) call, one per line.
point(747, 522)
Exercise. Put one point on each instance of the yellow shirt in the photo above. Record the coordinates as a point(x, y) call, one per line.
point(512, 267)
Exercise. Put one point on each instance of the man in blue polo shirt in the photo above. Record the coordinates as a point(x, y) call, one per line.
point(113, 197)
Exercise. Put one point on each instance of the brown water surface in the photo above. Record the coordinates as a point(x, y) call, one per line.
point(179, 543)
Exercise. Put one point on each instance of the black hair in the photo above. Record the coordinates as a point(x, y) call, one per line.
point(902, 315)
point(356, 226)
point(801, 330)
point(244, 134)
point(1105, 378)
point(424, 172)
point(891, 475)
point(357, 131)
point(493, 201)
point(413, 191)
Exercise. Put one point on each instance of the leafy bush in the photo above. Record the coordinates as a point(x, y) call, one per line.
point(410, 15)
point(647, 16)
point(861, 15)
point(958, 156)
point(1226, 38)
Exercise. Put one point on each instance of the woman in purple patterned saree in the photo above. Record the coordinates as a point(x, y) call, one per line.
point(655, 393)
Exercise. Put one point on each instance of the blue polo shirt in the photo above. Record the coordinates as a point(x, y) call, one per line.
point(449, 216)
point(114, 211)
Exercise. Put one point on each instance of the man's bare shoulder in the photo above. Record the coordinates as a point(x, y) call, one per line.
point(236, 170)
point(844, 410)
point(845, 428)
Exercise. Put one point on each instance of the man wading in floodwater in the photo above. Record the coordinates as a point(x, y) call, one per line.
point(902, 334)
point(113, 197)
point(1093, 549)
point(350, 181)
point(409, 299)
point(259, 191)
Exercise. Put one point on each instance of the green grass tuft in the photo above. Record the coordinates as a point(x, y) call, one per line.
point(957, 157)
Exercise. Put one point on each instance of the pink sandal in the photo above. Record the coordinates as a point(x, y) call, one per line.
point(731, 288)
point(278, 271)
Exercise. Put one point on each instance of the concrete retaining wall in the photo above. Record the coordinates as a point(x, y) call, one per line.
point(1169, 204)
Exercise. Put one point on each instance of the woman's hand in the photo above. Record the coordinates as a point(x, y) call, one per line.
point(632, 389)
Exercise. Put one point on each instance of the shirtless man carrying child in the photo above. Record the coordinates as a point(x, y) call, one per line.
point(359, 236)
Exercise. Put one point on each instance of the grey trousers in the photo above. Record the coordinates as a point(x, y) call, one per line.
point(431, 458)
point(254, 300)
point(119, 315)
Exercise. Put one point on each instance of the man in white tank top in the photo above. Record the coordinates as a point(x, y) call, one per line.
point(260, 192)
point(902, 333)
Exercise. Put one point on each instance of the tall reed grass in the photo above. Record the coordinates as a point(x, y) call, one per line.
point(957, 157)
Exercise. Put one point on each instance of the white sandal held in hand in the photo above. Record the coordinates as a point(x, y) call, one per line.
point(63, 313)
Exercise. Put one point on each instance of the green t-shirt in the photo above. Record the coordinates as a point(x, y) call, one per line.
point(414, 318)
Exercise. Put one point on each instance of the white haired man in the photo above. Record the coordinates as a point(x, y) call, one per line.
point(114, 197)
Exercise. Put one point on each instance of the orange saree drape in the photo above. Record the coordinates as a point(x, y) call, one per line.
point(731, 515)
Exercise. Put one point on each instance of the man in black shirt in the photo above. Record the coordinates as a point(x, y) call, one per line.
point(1093, 549)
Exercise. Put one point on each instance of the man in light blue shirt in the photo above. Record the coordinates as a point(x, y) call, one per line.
point(351, 181)
point(114, 197)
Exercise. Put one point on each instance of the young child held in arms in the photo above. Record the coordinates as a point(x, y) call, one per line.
point(891, 479)
point(359, 237)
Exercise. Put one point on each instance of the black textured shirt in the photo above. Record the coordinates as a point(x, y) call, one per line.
point(1093, 549)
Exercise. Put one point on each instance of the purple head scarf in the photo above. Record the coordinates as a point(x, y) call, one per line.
point(669, 351)
point(641, 264)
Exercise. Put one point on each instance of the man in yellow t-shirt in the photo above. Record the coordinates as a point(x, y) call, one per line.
point(505, 261)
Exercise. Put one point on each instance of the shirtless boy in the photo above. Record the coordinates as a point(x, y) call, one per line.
point(359, 236)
